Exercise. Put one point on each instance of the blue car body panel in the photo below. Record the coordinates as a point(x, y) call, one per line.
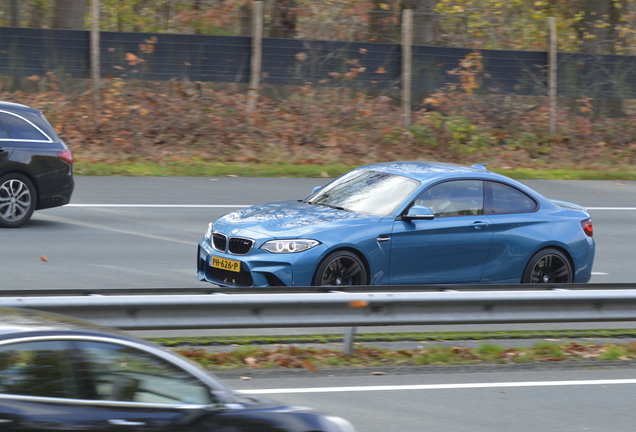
point(481, 248)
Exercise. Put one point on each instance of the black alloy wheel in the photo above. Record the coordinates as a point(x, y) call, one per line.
point(17, 200)
point(548, 266)
point(340, 268)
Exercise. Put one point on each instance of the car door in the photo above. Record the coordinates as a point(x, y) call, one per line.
point(6, 146)
point(451, 248)
point(101, 386)
point(516, 227)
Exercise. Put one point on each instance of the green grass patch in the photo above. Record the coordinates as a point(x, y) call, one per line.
point(203, 168)
point(568, 174)
point(396, 337)
point(313, 358)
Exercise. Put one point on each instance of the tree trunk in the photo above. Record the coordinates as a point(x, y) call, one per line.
point(15, 13)
point(383, 23)
point(598, 33)
point(246, 20)
point(284, 19)
point(69, 14)
point(423, 20)
point(598, 29)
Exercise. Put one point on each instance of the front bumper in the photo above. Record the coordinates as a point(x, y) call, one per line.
point(259, 268)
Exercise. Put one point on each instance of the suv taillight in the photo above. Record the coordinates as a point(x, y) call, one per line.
point(66, 156)
point(587, 227)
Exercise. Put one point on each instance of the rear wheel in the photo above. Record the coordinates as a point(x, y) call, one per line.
point(17, 200)
point(340, 268)
point(548, 266)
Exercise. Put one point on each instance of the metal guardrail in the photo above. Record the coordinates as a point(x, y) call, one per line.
point(143, 312)
point(212, 289)
point(169, 308)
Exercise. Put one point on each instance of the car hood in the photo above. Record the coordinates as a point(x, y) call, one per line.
point(288, 219)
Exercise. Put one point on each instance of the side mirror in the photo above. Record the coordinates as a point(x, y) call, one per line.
point(419, 212)
point(316, 189)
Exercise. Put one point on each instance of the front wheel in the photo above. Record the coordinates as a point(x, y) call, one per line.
point(548, 266)
point(340, 268)
point(17, 200)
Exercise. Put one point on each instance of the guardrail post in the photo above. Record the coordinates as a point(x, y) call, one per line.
point(349, 338)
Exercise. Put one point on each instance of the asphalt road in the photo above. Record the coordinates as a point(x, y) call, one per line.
point(479, 399)
point(123, 232)
point(142, 232)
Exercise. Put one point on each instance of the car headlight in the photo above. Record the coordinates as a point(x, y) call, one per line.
point(208, 233)
point(289, 246)
point(341, 425)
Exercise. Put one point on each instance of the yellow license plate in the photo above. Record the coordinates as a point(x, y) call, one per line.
point(225, 264)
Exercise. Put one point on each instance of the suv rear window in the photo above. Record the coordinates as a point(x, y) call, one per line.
point(20, 129)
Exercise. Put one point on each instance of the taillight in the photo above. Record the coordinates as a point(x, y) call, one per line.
point(587, 227)
point(66, 156)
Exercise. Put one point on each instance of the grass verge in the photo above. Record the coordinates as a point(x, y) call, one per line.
point(203, 168)
point(249, 351)
point(313, 358)
point(397, 337)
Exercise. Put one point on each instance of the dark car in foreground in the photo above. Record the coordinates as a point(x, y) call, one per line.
point(403, 223)
point(36, 166)
point(61, 374)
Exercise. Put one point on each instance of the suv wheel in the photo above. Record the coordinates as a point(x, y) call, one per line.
point(17, 200)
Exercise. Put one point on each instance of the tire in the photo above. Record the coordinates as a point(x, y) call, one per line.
point(17, 200)
point(341, 268)
point(548, 266)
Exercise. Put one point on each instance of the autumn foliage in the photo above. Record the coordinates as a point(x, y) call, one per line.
point(314, 358)
point(180, 121)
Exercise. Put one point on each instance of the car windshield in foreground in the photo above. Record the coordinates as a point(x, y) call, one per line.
point(365, 191)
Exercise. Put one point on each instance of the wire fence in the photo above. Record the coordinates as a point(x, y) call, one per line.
point(320, 43)
point(296, 19)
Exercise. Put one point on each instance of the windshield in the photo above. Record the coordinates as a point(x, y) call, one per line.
point(367, 192)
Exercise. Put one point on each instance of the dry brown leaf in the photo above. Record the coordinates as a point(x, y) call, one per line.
point(309, 365)
point(44, 258)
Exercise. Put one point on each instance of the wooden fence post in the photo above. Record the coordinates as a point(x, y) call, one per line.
point(95, 62)
point(255, 61)
point(552, 75)
point(407, 50)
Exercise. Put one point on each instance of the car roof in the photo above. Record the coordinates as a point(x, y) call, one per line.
point(17, 322)
point(12, 106)
point(425, 170)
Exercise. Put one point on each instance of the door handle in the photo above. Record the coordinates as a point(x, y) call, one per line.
point(122, 422)
point(383, 238)
point(479, 225)
point(3, 421)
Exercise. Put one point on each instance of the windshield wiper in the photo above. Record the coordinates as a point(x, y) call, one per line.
point(331, 206)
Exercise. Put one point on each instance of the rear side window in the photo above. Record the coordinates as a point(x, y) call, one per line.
point(505, 199)
point(41, 369)
point(21, 130)
point(124, 374)
point(3, 133)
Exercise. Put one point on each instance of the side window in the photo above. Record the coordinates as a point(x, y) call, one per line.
point(3, 132)
point(19, 129)
point(125, 374)
point(506, 200)
point(454, 198)
point(37, 369)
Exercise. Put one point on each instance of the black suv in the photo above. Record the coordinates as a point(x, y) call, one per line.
point(36, 167)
